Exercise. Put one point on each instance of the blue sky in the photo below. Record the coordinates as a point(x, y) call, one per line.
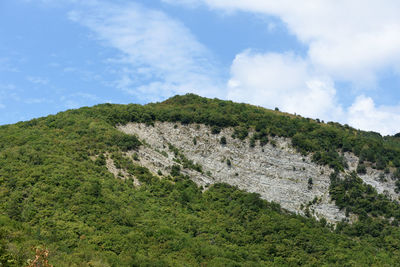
point(333, 60)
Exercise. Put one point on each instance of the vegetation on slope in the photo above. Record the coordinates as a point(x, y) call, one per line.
point(56, 192)
point(307, 135)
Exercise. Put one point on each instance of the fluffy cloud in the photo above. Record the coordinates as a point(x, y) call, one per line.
point(159, 55)
point(364, 114)
point(348, 39)
point(285, 81)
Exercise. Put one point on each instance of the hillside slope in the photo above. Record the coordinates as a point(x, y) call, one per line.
point(95, 196)
point(275, 171)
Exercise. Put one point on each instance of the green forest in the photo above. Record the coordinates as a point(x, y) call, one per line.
point(57, 194)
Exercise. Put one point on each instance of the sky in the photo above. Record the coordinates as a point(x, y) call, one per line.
point(336, 60)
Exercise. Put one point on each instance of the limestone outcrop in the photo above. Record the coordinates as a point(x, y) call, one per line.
point(276, 171)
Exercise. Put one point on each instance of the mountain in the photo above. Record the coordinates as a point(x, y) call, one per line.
point(194, 181)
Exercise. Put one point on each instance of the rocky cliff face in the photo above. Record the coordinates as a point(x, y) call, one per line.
point(382, 182)
point(275, 171)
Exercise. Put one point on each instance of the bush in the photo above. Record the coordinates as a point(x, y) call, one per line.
point(361, 169)
point(223, 140)
point(396, 173)
point(175, 170)
point(310, 183)
point(126, 142)
point(240, 132)
point(252, 141)
point(101, 160)
point(264, 140)
point(215, 129)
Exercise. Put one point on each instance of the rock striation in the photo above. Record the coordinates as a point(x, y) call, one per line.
point(276, 171)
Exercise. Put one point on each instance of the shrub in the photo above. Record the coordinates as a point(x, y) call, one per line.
point(175, 170)
point(228, 162)
point(361, 169)
point(396, 173)
point(215, 130)
point(101, 160)
point(252, 141)
point(310, 183)
point(223, 140)
point(126, 142)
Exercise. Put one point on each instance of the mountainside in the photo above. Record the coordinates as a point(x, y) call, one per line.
point(161, 185)
point(275, 171)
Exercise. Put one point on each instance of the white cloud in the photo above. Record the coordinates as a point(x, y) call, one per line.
point(365, 115)
point(37, 80)
point(6, 65)
point(7, 94)
point(348, 39)
point(156, 51)
point(80, 99)
point(271, 26)
point(284, 81)
point(36, 100)
point(87, 96)
point(69, 69)
point(7, 87)
point(189, 3)
point(8, 91)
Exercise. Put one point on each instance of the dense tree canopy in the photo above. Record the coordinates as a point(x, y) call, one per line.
point(56, 192)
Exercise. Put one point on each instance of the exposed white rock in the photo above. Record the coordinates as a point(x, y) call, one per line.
point(278, 173)
point(383, 183)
